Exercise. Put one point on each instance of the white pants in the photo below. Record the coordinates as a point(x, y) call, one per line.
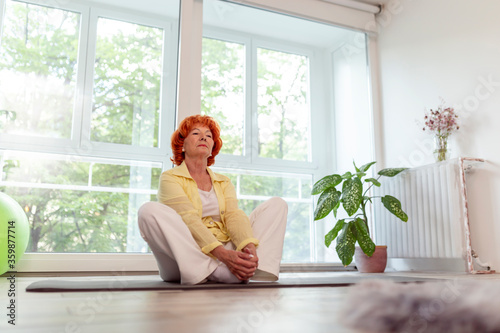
point(180, 258)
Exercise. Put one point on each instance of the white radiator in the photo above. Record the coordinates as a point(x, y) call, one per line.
point(436, 236)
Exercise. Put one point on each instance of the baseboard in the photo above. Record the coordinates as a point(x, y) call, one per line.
point(315, 267)
point(427, 264)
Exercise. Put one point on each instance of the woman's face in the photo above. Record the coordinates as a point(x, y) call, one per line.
point(199, 142)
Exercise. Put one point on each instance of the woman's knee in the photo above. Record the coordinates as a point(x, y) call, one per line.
point(152, 212)
point(274, 205)
point(278, 202)
point(147, 211)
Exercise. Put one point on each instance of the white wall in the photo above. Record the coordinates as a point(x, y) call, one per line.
point(351, 99)
point(451, 49)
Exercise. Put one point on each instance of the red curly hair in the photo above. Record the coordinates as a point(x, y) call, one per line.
point(177, 140)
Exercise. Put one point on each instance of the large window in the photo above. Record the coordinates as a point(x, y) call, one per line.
point(87, 100)
point(276, 87)
point(90, 94)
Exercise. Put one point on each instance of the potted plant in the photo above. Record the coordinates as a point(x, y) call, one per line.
point(353, 197)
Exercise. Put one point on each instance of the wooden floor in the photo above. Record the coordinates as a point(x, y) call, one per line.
point(218, 311)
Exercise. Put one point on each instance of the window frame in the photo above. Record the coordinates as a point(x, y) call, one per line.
point(296, 49)
point(12, 141)
point(250, 133)
point(167, 84)
point(80, 144)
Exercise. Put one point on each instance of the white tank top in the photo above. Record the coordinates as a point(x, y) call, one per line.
point(210, 204)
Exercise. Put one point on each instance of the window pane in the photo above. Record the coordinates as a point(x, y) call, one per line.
point(38, 66)
point(80, 205)
point(283, 110)
point(127, 83)
point(253, 188)
point(222, 90)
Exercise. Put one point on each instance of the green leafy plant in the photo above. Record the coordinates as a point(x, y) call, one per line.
point(353, 197)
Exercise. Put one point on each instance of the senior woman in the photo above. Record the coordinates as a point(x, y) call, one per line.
point(196, 231)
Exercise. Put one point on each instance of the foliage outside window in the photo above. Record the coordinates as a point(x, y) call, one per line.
point(127, 83)
point(38, 70)
point(75, 204)
point(283, 109)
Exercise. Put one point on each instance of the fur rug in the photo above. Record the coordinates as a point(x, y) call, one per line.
point(455, 306)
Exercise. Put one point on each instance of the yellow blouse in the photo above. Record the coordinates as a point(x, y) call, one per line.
point(179, 191)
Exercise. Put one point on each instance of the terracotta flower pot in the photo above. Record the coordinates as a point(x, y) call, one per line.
point(374, 264)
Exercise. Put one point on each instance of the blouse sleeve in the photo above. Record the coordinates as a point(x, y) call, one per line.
point(172, 194)
point(237, 222)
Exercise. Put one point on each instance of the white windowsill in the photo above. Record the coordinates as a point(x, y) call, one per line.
point(126, 262)
point(86, 262)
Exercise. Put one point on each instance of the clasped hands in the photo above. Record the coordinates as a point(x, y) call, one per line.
point(241, 263)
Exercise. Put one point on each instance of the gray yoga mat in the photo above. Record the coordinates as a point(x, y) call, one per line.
point(155, 283)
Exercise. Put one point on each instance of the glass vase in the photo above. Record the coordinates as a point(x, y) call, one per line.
point(441, 144)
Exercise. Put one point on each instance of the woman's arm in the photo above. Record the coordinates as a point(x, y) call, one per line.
point(237, 222)
point(172, 194)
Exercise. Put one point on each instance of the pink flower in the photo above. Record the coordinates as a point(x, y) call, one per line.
point(442, 121)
